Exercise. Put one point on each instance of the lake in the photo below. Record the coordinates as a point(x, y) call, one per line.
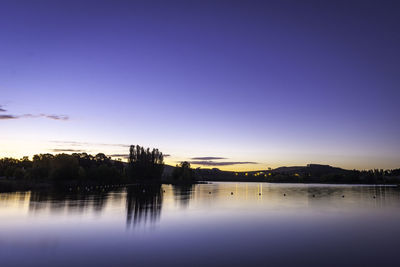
point(233, 224)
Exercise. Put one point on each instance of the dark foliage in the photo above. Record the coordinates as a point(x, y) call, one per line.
point(312, 173)
point(80, 168)
point(63, 167)
point(145, 164)
point(183, 172)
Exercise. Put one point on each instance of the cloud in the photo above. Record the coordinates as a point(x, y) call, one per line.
point(127, 155)
point(8, 117)
point(216, 163)
point(2, 109)
point(93, 146)
point(29, 116)
point(55, 117)
point(120, 145)
point(207, 158)
point(119, 155)
point(66, 150)
point(74, 143)
point(211, 161)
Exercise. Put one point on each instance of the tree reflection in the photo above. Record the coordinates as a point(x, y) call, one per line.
point(183, 193)
point(71, 201)
point(143, 204)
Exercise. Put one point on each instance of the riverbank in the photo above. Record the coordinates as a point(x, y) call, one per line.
point(13, 185)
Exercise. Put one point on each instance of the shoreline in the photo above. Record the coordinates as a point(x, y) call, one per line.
point(12, 185)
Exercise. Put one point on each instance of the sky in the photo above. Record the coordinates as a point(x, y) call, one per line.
point(236, 85)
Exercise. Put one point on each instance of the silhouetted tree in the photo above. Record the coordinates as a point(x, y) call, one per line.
point(145, 164)
point(64, 167)
point(41, 166)
point(183, 172)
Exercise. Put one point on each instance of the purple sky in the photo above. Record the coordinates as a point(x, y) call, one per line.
point(267, 82)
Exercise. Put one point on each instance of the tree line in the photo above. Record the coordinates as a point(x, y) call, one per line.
point(143, 164)
point(312, 173)
point(376, 176)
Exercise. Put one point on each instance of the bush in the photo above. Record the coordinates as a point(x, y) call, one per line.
point(64, 167)
point(183, 172)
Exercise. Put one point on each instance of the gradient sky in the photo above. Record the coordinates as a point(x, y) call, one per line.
point(262, 83)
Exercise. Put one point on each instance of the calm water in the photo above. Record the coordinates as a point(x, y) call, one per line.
point(203, 225)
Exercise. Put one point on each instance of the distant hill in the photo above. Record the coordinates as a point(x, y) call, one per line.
point(310, 168)
point(289, 169)
point(312, 173)
point(283, 173)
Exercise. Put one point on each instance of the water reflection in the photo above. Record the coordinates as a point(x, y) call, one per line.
point(183, 193)
point(73, 202)
point(143, 204)
point(228, 223)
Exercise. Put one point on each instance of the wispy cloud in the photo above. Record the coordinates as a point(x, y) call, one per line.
point(207, 158)
point(2, 109)
point(127, 155)
point(74, 143)
point(29, 116)
point(55, 117)
point(78, 146)
point(217, 163)
point(214, 161)
point(7, 117)
point(66, 150)
point(118, 155)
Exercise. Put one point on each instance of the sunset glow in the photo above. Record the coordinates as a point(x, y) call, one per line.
point(258, 87)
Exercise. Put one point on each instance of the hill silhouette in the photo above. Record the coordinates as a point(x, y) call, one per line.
point(147, 166)
point(311, 173)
